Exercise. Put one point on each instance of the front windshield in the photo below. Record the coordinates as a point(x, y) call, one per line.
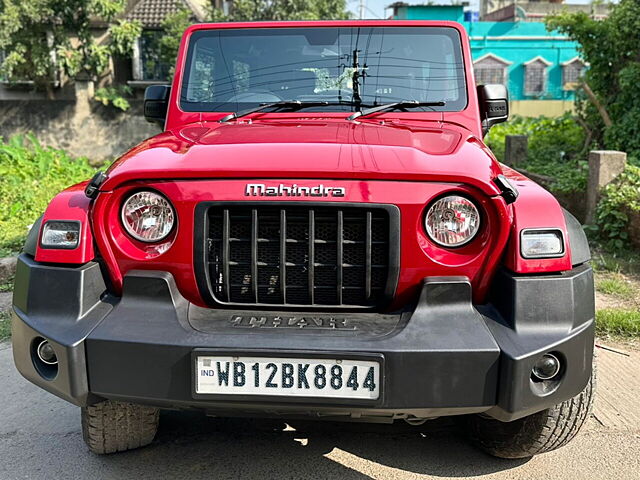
point(235, 69)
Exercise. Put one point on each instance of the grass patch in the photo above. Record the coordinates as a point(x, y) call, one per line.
point(622, 262)
point(618, 322)
point(615, 285)
point(30, 175)
point(5, 325)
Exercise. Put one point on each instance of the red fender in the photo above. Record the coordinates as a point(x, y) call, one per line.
point(534, 208)
point(70, 204)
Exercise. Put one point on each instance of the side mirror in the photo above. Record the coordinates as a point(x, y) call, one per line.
point(156, 103)
point(494, 105)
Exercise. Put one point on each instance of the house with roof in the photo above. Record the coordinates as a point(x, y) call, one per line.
point(537, 10)
point(146, 67)
point(540, 68)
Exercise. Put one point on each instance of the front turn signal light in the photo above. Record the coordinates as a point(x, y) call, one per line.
point(60, 234)
point(547, 243)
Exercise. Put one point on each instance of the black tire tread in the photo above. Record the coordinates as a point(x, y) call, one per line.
point(538, 433)
point(110, 427)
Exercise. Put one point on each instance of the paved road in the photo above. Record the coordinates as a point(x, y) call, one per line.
point(5, 301)
point(40, 438)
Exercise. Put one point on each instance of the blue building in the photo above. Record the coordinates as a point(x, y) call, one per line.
point(540, 68)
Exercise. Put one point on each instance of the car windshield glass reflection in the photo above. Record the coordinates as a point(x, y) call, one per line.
point(348, 68)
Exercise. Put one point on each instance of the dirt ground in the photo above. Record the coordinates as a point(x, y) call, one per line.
point(5, 301)
point(617, 282)
point(629, 300)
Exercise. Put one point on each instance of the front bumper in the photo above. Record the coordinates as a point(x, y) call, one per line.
point(442, 356)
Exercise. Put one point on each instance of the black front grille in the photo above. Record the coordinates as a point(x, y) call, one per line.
point(299, 255)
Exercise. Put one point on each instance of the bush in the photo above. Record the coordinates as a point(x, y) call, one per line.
point(618, 198)
point(556, 149)
point(611, 49)
point(114, 96)
point(30, 175)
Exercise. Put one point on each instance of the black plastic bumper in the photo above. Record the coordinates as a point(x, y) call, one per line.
point(442, 357)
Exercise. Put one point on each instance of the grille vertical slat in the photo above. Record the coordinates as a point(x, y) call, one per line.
point(367, 254)
point(226, 254)
point(254, 253)
point(283, 254)
point(299, 255)
point(312, 255)
point(340, 255)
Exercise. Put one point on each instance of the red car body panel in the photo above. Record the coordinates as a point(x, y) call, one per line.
point(419, 257)
point(401, 158)
point(70, 204)
point(329, 148)
point(535, 208)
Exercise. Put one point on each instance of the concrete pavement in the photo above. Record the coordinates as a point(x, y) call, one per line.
point(40, 438)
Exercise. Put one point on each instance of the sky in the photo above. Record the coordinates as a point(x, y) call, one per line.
point(376, 8)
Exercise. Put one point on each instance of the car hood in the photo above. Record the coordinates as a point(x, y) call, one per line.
point(311, 148)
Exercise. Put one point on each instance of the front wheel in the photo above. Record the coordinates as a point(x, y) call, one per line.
point(110, 427)
point(538, 433)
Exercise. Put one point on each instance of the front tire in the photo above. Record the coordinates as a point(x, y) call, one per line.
point(110, 427)
point(538, 433)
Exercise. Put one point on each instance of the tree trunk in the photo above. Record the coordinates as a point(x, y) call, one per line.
point(601, 110)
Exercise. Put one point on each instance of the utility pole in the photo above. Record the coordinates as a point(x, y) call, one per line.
point(362, 7)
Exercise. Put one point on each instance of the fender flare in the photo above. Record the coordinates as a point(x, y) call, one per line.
point(580, 252)
point(31, 243)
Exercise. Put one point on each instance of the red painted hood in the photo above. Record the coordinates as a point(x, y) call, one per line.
point(312, 148)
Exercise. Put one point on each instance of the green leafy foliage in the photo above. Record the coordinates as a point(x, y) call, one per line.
point(173, 26)
point(30, 175)
point(556, 149)
point(122, 36)
point(114, 96)
point(247, 10)
point(618, 199)
point(625, 262)
point(7, 286)
point(41, 37)
point(612, 49)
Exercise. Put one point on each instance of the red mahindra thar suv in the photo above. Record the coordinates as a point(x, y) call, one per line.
point(318, 231)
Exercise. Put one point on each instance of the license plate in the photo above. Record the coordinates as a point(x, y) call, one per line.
point(298, 377)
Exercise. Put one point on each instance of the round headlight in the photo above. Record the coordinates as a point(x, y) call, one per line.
point(148, 216)
point(452, 221)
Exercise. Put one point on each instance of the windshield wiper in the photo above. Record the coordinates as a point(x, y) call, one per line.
point(294, 104)
point(392, 106)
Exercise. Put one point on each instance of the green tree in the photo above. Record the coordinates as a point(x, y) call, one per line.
point(248, 10)
point(41, 37)
point(173, 26)
point(608, 102)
